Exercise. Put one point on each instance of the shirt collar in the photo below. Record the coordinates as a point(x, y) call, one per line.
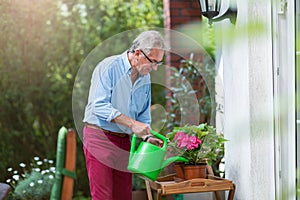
point(127, 64)
point(126, 61)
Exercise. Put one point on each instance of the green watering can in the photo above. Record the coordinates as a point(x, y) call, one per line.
point(148, 159)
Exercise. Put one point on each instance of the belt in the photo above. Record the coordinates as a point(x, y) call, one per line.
point(122, 135)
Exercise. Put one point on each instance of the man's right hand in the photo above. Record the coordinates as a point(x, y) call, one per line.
point(140, 129)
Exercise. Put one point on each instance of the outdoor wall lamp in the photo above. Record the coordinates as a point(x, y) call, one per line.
point(211, 10)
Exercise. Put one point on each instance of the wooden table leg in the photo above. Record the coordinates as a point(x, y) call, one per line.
point(148, 188)
point(217, 195)
point(158, 195)
point(231, 193)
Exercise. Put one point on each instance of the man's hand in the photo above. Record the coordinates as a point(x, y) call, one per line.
point(140, 129)
point(155, 141)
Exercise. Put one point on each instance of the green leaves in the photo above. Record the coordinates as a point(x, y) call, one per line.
point(210, 147)
point(43, 43)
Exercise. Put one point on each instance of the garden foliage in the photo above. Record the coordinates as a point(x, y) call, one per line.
point(43, 43)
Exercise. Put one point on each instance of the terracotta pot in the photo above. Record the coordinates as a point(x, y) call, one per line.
point(179, 170)
point(186, 172)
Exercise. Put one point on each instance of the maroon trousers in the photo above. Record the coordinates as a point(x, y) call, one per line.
point(106, 161)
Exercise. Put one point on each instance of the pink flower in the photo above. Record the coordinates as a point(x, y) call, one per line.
point(179, 135)
point(182, 139)
point(194, 143)
point(195, 139)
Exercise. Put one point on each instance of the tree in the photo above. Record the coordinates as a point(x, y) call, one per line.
point(43, 44)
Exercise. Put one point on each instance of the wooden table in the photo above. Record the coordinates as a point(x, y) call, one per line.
point(169, 185)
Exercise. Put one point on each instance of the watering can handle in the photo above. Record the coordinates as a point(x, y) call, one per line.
point(161, 137)
point(155, 134)
point(132, 147)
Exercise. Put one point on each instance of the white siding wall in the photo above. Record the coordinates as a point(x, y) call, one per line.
point(248, 102)
point(284, 60)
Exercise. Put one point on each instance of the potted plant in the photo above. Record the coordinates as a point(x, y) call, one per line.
point(199, 144)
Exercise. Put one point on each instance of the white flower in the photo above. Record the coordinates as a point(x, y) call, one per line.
point(22, 165)
point(50, 161)
point(51, 176)
point(31, 184)
point(40, 181)
point(39, 163)
point(9, 169)
point(52, 169)
point(16, 177)
point(36, 158)
point(36, 169)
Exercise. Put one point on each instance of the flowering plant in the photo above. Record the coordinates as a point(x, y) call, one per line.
point(196, 143)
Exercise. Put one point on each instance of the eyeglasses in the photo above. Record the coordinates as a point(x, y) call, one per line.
point(151, 61)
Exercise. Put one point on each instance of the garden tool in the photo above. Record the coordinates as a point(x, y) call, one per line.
point(148, 159)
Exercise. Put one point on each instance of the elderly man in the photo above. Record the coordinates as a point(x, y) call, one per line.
point(119, 105)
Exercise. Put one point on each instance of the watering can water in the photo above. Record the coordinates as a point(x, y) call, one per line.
point(148, 159)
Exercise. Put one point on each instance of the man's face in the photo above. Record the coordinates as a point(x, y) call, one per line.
point(149, 62)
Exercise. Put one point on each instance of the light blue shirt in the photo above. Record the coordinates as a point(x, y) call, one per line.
point(112, 94)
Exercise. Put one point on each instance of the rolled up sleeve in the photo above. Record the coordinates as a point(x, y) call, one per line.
point(101, 101)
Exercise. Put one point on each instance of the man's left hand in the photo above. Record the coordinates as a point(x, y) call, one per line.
point(155, 141)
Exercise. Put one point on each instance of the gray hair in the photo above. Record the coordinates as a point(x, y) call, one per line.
point(148, 40)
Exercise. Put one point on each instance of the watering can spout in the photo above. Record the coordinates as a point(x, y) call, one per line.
point(173, 159)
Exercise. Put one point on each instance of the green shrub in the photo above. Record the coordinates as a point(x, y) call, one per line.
point(42, 46)
point(36, 186)
point(33, 181)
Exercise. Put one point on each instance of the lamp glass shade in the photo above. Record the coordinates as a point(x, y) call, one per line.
point(210, 8)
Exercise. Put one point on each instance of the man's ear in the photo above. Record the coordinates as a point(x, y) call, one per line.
point(137, 52)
